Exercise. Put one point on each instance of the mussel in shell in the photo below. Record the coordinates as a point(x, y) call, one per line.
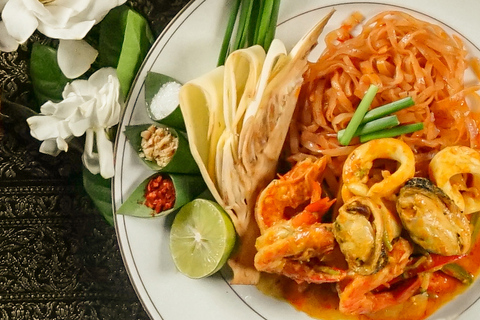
point(432, 219)
point(359, 231)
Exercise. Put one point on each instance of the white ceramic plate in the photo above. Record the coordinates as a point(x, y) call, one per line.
point(188, 48)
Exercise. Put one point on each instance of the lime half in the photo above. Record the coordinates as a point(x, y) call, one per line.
point(201, 239)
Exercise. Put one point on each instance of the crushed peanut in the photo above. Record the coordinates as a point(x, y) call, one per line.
point(158, 145)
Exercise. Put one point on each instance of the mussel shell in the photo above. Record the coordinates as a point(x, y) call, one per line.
point(432, 219)
point(359, 231)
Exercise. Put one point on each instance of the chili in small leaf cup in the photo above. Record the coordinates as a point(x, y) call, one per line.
point(161, 194)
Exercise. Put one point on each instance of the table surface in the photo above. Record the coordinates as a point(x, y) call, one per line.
point(58, 258)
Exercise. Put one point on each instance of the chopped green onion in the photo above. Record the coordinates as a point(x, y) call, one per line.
point(358, 115)
point(270, 32)
point(386, 242)
point(262, 21)
point(475, 221)
point(244, 24)
point(266, 22)
point(387, 109)
point(255, 22)
point(392, 132)
point(374, 125)
point(458, 272)
point(228, 33)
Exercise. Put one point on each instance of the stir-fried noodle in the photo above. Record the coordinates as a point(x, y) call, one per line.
point(403, 56)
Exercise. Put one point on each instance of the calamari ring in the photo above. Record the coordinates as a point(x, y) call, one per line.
point(452, 161)
point(358, 164)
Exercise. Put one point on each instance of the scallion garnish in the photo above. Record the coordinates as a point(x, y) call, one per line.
point(388, 109)
point(358, 115)
point(458, 272)
point(228, 33)
point(392, 132)
point(374, 125)
point(255, 22)
point(246, 25)
point(266, 23)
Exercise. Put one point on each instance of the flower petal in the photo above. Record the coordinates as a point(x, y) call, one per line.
point(100, 77)
point(19, 20)
point(36, 7)
point(55, 16)
point(101, 161)
point(2, 4)
point(75, 5)
point(50, 147)
point(75, 57)
point(72, 31)
point(64, 108)
point(7, 42)
point(78, 88)
point(64, 131)
point(48, 108)
point(97, 10)
point(43, 127)
point(81, 120)
point(62, 144)
point(109, 112)
point(105, 154)
point(89, 158)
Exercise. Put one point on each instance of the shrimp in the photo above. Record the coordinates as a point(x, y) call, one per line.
point(362, 294)
point(356, 179)
point(446, 169)
point(294, 241)
point(296, 252)
point(288, 192)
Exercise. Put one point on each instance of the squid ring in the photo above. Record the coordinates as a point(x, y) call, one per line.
point(358, 164)
point(452, 161)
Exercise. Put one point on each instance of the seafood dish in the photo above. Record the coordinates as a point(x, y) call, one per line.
point(380, 227)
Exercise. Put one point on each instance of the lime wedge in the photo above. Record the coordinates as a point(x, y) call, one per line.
point(201, 239)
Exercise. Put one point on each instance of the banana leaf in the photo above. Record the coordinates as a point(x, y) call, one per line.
point(181, 162)
point(187, 187)
point(153, 83)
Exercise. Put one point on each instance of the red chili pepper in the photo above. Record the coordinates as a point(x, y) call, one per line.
point(318, 204)
point(160, 194)
point(321, 206)
point(406, 289)
point(433, 263)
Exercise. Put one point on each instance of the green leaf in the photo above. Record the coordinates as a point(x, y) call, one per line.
point(47, 79)
point(111, 35)
point(187, 187)
point(125, 39)
point(99, 190)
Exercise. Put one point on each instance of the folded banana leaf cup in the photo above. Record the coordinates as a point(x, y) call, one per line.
point(181, 162)
point(169, 115)
point(187, 187)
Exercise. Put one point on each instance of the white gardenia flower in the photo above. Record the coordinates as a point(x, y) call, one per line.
point(88, 107)
point(75, 57)
point(58, 19)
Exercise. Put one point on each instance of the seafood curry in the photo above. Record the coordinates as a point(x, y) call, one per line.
point(385, 229)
